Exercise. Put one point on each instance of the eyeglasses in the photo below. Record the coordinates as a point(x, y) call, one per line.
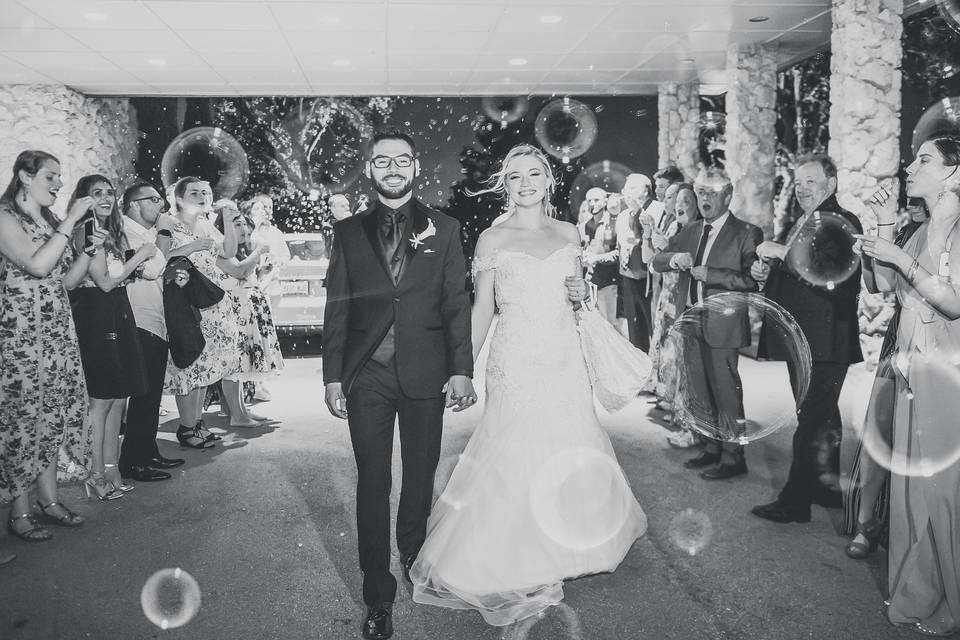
point(403, 161)
point(153, 199)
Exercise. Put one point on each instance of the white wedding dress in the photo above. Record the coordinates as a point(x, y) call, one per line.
point(537, 495)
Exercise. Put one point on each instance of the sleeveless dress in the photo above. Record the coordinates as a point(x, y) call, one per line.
point(260, 356)
point(43, 397)
point(537, 496)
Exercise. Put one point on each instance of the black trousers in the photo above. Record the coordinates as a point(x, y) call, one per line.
point(815, 470)
point(143, 411)
point(636, 309)
point(373, 405)
point(716, 393)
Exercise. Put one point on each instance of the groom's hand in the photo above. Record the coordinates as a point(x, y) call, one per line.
point(460, 393)
point(336, 401)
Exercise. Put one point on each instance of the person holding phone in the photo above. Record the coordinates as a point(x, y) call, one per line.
point(43, 397)
point(112, 357)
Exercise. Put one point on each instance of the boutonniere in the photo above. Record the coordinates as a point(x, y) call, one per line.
point(417, 239)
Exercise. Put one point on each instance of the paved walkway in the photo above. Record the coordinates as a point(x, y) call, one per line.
point(265, 524)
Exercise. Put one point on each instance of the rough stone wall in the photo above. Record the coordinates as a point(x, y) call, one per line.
point(678, 107)
point(88, 135)
point(751, 131)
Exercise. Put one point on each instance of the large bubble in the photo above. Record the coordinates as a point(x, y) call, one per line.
point(690, 531)
point(606, 174)
point(566, 128)
point(580, 498)
point(943, 116)
point(910, 423)
point(557, 622)
point(209, 153)
point(821, 249)
point(950, 10)
point(754, 399)
point(505, 109)
point(170, 598)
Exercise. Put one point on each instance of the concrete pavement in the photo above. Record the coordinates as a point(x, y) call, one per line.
point(265, 523)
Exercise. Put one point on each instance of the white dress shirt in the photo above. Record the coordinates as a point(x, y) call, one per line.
point(146, 293)
point(715, 227)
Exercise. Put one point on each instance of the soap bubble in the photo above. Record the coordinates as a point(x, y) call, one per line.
point(505, 109)
point(566, 128)
point(943, 116)
point(170, 598)
point(606, 174)
point(558, 622)
point(821, 250)
point(690, 531)
point(705, 334)
point(580, 498)
point(950, 10)
point(210, 153)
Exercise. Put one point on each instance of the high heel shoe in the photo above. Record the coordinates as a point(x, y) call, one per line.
point(96, 486)
point(191, 437)
point(871, 533)
point(205, 433)
point(69, 519)
point(112, 474)
point(35, 533)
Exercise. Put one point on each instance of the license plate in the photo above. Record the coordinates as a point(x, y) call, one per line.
point(295, 287)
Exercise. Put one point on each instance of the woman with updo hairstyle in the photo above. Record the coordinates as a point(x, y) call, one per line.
point(923, 449)
point(43, 397)
point(113, 362)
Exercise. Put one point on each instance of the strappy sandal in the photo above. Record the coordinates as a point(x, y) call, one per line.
point(35, 533)
point(205, 433)
point(190, 437)
point(871, 532)
point(70, 519)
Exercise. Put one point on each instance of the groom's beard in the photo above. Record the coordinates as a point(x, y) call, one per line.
point(393, 193)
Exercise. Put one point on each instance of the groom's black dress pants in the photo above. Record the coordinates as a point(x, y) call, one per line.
point(373, 405)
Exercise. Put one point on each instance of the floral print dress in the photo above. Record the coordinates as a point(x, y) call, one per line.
point(43, 396)
point(219, 324)
point(259, 347)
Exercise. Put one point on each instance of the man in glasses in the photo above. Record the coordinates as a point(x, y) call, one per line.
point(140, 457)
point(396, 341)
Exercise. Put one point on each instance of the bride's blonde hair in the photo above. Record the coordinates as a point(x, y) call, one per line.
point(496, 183)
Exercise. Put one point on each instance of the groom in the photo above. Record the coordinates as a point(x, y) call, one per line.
point(396, 334)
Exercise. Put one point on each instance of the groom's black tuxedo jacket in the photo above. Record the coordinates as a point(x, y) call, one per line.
point(428, 305)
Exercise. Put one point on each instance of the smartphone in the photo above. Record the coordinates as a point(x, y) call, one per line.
point(89, 228)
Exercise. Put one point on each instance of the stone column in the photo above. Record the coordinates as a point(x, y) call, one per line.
point(751, 131)
point(678, 111)
point(88, 135)
point(865, 98)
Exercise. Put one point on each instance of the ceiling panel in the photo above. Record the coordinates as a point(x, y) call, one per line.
point(92, 14)
point(214, 15)
point(15, 16)
point(313, 16)
point(45, 40)
point(130, 40)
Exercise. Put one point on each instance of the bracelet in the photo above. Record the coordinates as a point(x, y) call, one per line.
point(913, 270)
point(56, 231)
point(886, 224)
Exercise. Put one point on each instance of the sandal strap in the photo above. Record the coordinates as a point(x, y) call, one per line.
point(28, 516)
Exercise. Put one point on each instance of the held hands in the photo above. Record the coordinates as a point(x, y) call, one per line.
point(460, 393)
point(884, 203)
point(769, 250)
point(336, 401)
point(576, 288)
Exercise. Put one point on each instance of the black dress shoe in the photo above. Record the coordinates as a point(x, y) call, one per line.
point(144, 474)
point(159, 462)
point(702, 460)
point(406, 562)
point(776, 511)
point(379, 622)
point(724, 471)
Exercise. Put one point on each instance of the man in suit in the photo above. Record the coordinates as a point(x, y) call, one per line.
point(714, 255)
point(396, 334)
point(639, 208)
point(828, 319)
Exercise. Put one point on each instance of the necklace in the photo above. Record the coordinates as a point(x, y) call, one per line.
point(942, 264)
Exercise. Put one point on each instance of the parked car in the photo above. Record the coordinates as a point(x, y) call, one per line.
point(303, 283)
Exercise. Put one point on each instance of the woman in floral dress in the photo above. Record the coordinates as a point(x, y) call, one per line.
point(194, 236)
point(43, 397)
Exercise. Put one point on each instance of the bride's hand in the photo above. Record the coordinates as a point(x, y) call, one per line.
point(576, 288)
point(460, 393)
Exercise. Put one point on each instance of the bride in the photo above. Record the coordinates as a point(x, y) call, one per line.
point(537, 496)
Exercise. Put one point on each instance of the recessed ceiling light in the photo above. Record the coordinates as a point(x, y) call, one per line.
point(95, 16)
point(341, 62)
point(759, 19)
point(157, 62)
point(517, 62)
point(550, 19)
point(687, 61)
point(329, 21)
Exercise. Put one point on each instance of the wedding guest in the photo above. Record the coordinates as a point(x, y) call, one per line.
point(924, 557)
point(829, 321)
point(113, 363)
point(712, 256)
point(140, 457)
point(600, 254)
point(638, 203)
point(339, 206)
point(662, 179)
point(43, 397)
point(194, 236)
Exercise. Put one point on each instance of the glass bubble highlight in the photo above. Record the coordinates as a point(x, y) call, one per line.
point(606, 174)
point(762, 387)
point(566, 128)
point(910, 425)
point(170, 598)
point(505, 109)
point(943, 116)
point(558, 622)
point(950, 10)
point(573, 502)
point(821, 250)
point(690, 531)
point(209, 153)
